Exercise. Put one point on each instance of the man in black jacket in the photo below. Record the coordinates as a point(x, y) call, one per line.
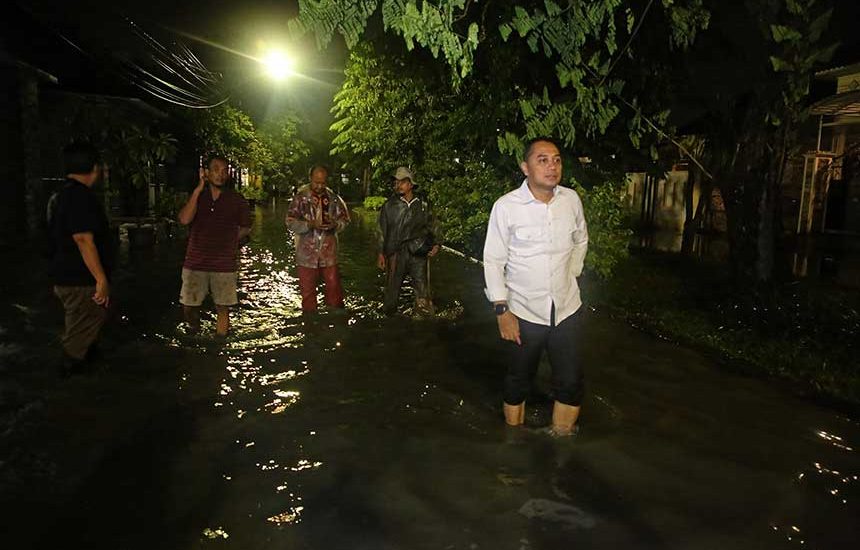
point(408, 236)
point(82, 254)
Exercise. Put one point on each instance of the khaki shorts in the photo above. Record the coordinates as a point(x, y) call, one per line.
point(197, 284)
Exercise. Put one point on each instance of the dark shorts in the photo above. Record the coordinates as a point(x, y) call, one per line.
point(561, 342)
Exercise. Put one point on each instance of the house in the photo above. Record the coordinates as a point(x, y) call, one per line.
point(830, 183)
point(658, 206)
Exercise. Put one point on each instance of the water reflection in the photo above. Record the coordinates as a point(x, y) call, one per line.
point(834, 440)
point(351, 430)
point(830, 256)
point(705, 245)
point(291, 516)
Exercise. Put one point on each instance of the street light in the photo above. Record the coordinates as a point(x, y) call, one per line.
point(278, 64)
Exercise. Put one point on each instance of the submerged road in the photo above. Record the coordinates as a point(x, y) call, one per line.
point(356, 431)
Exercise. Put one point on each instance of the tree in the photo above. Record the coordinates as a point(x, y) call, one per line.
point(388, 115)
point(229, 131)
point(519, 70)
point(136, 153)
point(747, 128)
point(581, 44)
point(280, 136)
point(582, 70)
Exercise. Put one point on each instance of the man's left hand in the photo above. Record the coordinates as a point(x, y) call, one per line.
point(320, 225)
point(102, 293)
point(434, 250)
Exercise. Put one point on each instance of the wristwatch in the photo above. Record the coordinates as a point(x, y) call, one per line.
point(500, 308)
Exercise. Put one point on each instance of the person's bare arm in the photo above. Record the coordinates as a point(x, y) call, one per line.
point(186, 215)
point(90, 254)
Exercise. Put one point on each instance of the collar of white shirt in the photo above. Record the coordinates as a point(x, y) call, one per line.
point(525, 192)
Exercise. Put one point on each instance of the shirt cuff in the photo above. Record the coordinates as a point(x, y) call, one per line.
point(496, 296)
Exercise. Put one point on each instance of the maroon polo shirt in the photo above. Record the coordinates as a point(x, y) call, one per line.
point(214, 238)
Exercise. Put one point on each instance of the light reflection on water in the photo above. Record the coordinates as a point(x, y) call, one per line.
point(266, 358)
point(351, 430)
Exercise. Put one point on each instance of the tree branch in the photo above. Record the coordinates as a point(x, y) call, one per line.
point(629, 42)
point(659, 131)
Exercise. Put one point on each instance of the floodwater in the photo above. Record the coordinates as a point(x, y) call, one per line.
point(828, 257)
point(355, 431)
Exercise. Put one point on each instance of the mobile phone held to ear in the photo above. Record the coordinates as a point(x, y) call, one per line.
point(203, 181)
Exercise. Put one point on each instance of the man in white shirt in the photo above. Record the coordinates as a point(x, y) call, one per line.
point(534, 251)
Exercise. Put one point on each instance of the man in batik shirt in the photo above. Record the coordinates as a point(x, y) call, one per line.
point(316, 215)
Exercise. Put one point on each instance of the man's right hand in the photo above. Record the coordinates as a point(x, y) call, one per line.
point(316, 223)
point(380, 261)
point(509, 327)
point(102, 295)
point(202, 183)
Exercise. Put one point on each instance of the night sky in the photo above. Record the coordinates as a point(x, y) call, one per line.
point(81, 42)
point(47, 34)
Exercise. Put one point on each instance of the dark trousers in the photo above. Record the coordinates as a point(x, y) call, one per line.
point(308, 279)
point(561, 342)
point(84, 319)
point(399, 265)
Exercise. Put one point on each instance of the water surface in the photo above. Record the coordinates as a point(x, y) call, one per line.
point(353, 430)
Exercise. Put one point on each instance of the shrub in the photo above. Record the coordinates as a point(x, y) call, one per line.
point(374, 202)
point(608, 232)
point(251, 192)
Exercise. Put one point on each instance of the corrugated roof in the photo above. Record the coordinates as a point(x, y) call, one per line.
point(836, 72)
point(846, 103)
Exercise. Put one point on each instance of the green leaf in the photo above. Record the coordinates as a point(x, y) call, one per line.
point(505, 30)
point(781, 33)
point(522, 22)
point(794, 7)
point(819, 25)
point(826, 54)
point(527, 108)
point(779, 65)
point(473, 34)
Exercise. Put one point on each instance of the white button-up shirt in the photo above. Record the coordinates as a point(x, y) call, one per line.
point(534, 252)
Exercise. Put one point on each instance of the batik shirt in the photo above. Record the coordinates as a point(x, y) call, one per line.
point(315, 247)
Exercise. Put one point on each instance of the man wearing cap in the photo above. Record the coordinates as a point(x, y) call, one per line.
point(534, 251)
point(316, 215)
point(408, 235)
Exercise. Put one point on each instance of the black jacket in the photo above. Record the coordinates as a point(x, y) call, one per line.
point(407, 227)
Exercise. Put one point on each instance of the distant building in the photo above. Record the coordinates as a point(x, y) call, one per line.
point(821, 191)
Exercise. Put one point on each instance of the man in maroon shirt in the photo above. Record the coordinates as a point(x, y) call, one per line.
point(220, 218)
